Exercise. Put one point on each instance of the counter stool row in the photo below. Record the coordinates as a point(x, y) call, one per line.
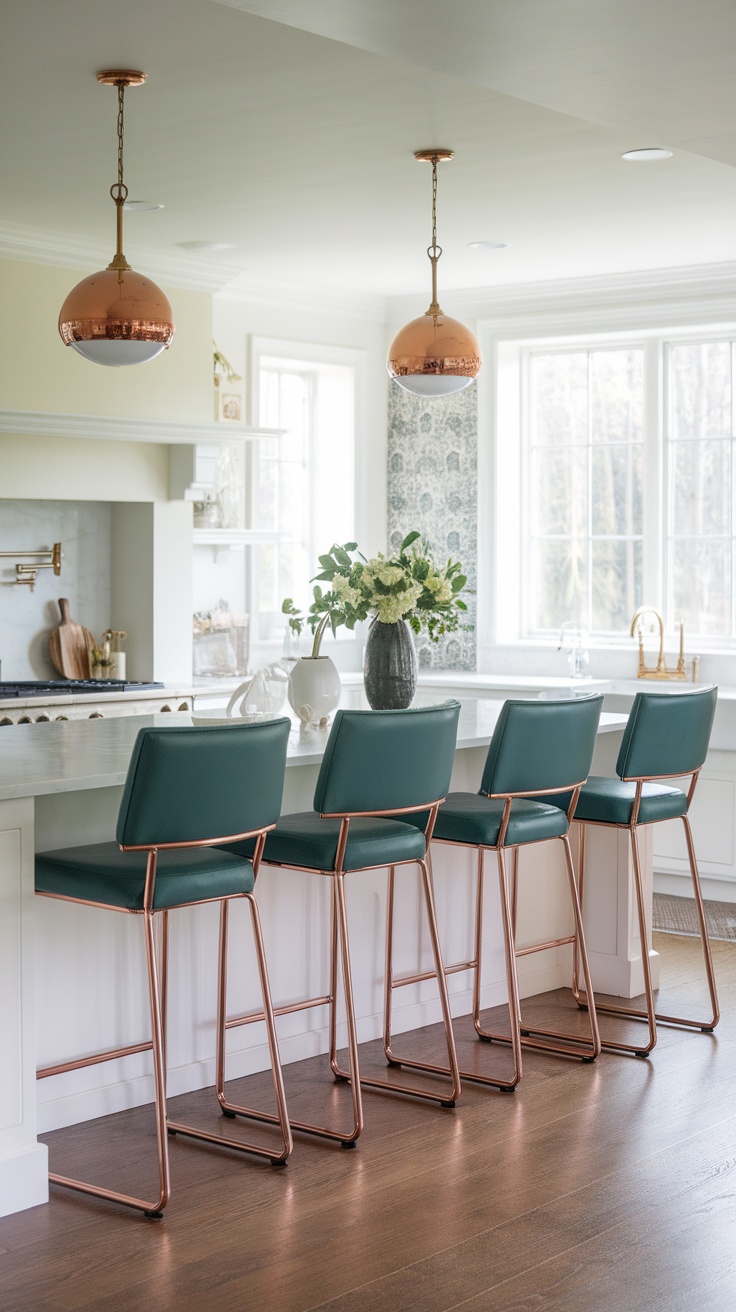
point(201, 812)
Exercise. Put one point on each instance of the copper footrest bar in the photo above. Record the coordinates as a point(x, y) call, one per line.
point(252, 1016)
point(455, 969)
point(451, 1071)
point(530, 1036)
point(109, 1055)
point(541, 947)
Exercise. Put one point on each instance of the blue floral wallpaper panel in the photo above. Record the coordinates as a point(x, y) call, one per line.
point(433, 487)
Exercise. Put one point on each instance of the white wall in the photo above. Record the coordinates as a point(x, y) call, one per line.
point(27, 618)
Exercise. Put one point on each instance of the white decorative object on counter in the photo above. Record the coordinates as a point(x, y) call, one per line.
point(259, 698)
point(314, 690)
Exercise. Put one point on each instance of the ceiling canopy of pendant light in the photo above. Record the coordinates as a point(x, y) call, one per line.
point(434, 355)
point(116, 316)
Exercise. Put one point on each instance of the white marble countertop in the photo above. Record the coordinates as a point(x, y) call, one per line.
point(38, 759)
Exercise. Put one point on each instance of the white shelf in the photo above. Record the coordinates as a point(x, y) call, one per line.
point(234, 537)
point(28, 423)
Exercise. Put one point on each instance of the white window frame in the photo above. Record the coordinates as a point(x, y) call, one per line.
point(308, 354)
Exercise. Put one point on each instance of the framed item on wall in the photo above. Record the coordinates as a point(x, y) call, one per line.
point(229, 390)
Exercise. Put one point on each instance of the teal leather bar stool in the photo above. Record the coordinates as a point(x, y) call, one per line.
point(378, 767)
point(666, 737)
point(187, 790)
point(537, 762)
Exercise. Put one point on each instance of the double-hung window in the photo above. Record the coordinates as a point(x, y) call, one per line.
point(585, 466)
point(303, 485)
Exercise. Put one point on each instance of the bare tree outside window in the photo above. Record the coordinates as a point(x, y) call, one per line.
point(700, 457)
point(586, 460)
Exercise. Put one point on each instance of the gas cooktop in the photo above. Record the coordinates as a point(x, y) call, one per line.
point(67, 687)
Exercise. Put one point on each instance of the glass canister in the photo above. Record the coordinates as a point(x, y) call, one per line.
point(115, 638)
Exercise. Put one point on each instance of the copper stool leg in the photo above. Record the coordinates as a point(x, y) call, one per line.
point(495, 1081)
point(610, 1009)
point(234, 1109)
point(566, 1044)
point(153, 1208)
point(450, 1097)
point(650, 1014)
point(707, 1026)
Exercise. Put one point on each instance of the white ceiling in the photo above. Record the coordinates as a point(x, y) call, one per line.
point(286, 128)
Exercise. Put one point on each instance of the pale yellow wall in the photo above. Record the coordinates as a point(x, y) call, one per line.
point(68, 469)
point(40, 373)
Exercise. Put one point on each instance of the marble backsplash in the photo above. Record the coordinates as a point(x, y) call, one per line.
point(433, 487)
point(27, 618)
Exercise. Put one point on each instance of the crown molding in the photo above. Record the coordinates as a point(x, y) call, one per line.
point(29, 423)
point(285, 296)
point(632, 299)
point(39, 246)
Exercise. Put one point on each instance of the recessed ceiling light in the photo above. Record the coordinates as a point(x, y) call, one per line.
point(487, 245)
point(141, 205)
point(646, 153)
point(206, 245)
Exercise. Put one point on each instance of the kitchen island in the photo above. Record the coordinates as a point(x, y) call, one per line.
point(72, 977)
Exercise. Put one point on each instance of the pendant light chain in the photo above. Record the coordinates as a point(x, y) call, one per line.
point(434, 355)
point(434, 251)
point(118, 190)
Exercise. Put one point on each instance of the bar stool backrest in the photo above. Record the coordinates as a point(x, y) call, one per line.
point(194, 784)
point(383, 761)
point(541, 746)
point(667, 734)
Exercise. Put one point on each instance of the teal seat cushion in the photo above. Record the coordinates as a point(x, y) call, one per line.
point(306, 839)
point(475, 818)
point(610, 801)
point(102, 873)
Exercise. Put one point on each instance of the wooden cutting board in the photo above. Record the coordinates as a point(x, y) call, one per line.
point(70, 645)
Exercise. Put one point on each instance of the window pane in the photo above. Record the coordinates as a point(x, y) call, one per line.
point(617, 395)
point(702, 585)
point(559, 583)
point(560, 491)
point(701, 488)
point(617, 505)
point(617, 584)
point(700, 390)
point(560, 398)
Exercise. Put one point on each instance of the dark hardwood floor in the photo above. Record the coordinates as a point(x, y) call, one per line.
point(594, 1188)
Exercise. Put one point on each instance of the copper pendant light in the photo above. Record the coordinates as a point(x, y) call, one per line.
point(434, 355)
point(116, 316)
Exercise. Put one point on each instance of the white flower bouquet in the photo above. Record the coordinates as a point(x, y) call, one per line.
point(409, 586)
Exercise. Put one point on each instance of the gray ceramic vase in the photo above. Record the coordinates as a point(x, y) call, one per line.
point(390, 666)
